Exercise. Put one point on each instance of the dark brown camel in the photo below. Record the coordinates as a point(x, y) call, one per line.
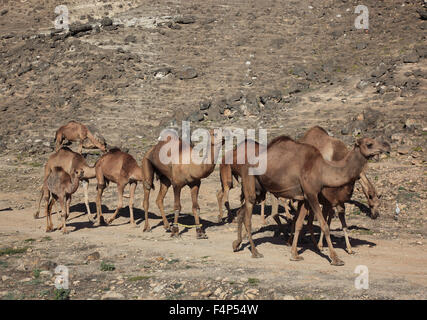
point(178, 175)
point(61, 186)
point(69, 161)
point(122, 169)
point(75, 131)
point(298, 171)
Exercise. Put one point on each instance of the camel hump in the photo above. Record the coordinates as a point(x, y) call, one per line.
point(280, 139)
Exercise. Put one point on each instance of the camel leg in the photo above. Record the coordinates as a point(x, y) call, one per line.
point(176, 209)
point(66, 213)
point(293, 223)
point(196, 211)
point(120, 190)
point(220, 197)
point(43, 192)
point(63, 204)
point(49, 224)
point(239, 220)
point(85, 185)
point(315, 206)
point(164, 186)
point(250, 199)
point(341, 215)
point(99, 215)
point(302, 212)
point(263, 212)
point(146, 205)
point(131, 198)
point(328, 211)
point(80, 146)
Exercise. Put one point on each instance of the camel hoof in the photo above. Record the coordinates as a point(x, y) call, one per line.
point(257, 255)
point(36, 215)
point(236, 245)
point(219, 219)
point(65, 231)
point(202, 235)
point(297, 258)
point(350, 251)
point(320, 248)
point(109, 221)
point(134, 225)
point(337, 262)
point(91, 218)
point(146, 229)
point(49, 229)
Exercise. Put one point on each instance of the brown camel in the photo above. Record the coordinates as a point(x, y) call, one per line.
point(61, 186)
point(69, 161)
point(298, 171)
point(227, 172)
point(122, 169)
point(75, 131)
point(333, 149)
point(178, 175)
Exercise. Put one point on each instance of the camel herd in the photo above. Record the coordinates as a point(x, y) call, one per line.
point(317, 172)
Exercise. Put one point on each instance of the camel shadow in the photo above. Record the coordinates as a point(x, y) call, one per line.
point(362, 207)
point(305, 242)
point(6, 209)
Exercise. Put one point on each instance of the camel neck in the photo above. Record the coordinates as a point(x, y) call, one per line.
point(339, 173)
point(89, 172)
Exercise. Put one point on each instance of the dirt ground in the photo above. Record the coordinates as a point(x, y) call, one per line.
point(280, 65)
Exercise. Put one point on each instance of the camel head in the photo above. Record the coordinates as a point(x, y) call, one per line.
point(374, 206)
point(371, 147)
point(79, 173)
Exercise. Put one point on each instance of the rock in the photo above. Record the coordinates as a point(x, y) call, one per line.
point(379, 71)
point(159, 288)
point(130, 38)
point(186, 73)
point(410, 123)
point(205, 105)
point(206, 293)
point(4, 278)
point(162, 72)
point(196, 116)
point(105, 22)
point(46, 273)
point(345, 131)
point(404, 149)
point(288, 297)
point(111, 295)
point(362, 84)
point(77, 28)
point(361, 45)
point(93, 256)
point(3, 12)
point(185, 20)
point(423, 13)
point(411, 58)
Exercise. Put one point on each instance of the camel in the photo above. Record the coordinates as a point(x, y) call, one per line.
point(178, 175)
point(122, 169)
point(75, 131)
point(298, 171)
point(333, 149)
point(61, 186)
point(69, 161)
point(227, 172)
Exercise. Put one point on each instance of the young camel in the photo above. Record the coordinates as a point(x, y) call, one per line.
point(333, 149)
point(69, 161)
point(178, 174)
point(298, 171)
point(61, 186)
point(122, 169)
point(75, 131)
